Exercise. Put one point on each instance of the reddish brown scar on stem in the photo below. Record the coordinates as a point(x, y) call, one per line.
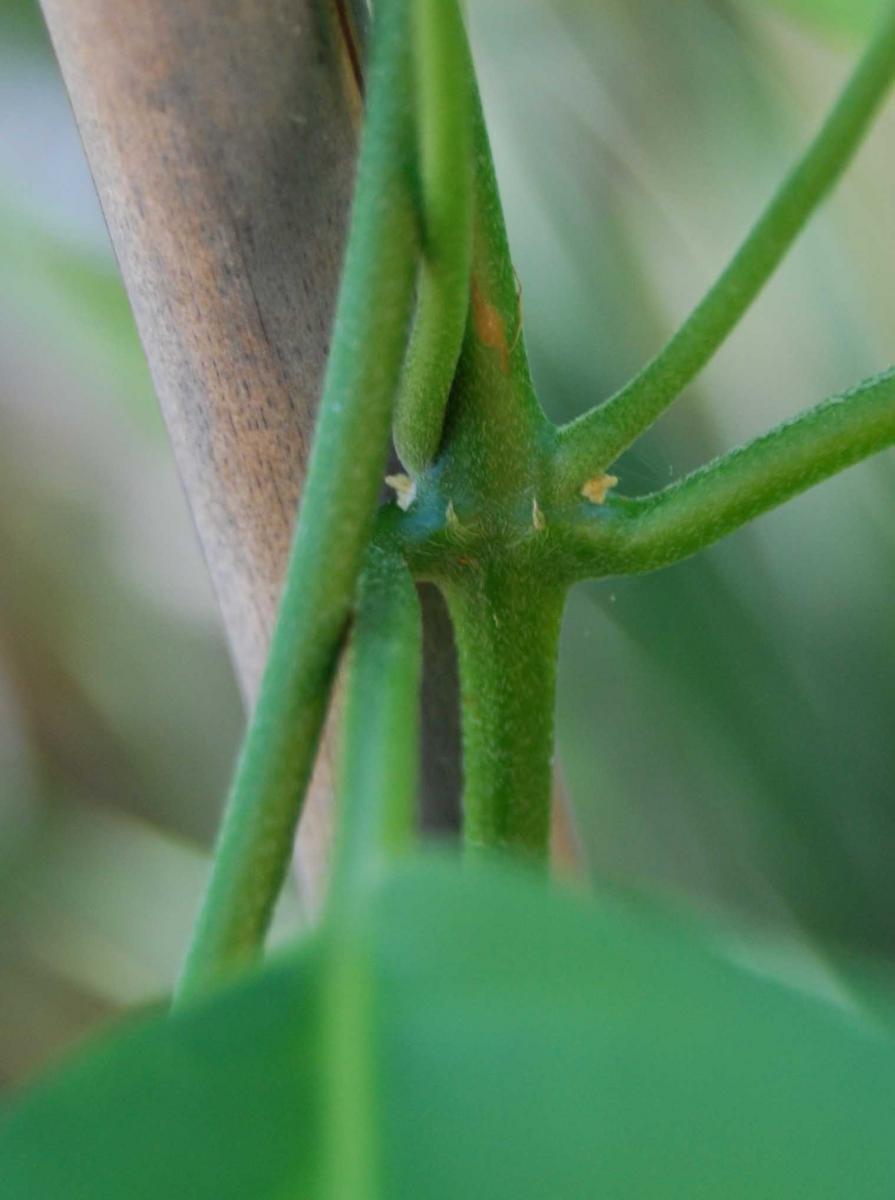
point(489, 327)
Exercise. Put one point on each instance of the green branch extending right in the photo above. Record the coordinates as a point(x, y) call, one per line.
point(629, 536)
point(594, 441)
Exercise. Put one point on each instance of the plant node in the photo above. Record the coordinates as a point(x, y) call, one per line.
point(404, 488)
point(596, 489)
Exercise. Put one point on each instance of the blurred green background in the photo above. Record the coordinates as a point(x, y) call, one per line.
point(725, 727)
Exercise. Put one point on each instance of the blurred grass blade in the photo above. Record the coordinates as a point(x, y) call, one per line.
point(77, 304)
point(848, 16)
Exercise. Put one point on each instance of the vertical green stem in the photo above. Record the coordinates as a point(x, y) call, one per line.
point(444, 87)
point(507, 627)
point(494, 420)
point(335, 523)
point(380, 758)
point(377, 791)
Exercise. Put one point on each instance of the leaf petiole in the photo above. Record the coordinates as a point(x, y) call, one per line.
point(595, 440)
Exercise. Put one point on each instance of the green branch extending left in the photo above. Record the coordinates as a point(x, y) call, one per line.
point(334, 527)
point(594, 441)
point(444, 88)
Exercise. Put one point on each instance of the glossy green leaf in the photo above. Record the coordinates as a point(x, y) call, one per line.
point(529, 1043)
point(541, 1045)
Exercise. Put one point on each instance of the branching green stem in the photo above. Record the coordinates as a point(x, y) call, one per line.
point(498, 521)
point(444, 85)
point(656, 530)
point(333, 530)
point(593, 442)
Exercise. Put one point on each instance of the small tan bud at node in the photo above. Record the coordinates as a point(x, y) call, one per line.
point(597, 488)
point(404, 489)
point(450, 515)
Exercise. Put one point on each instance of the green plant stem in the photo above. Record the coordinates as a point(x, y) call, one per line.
point(653, 531)
point(333, 530)
point(494, 421)
point(380, 759)
point(377, 794)
point(593, 442)
point(506, 622)
point(444, 86)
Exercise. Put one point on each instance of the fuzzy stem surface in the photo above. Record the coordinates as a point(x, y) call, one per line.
point(444, 87)
point(507, 629)
point(334, 526)
point(380, 757)
point(654, 531)
point(592, 442)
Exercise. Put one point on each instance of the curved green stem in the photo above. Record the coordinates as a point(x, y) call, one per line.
point(660, 529)
point(507, 623)
point(380, 760)
point(593, 442)
point(334, 526)
point(444, 87)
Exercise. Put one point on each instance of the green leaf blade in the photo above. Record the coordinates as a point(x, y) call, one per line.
point(527, 1042)
point(601, 1051)
point(218, 1101)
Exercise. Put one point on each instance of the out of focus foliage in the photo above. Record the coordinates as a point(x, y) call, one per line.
point(848, 16)
point(634, 1034)
point(725, 727)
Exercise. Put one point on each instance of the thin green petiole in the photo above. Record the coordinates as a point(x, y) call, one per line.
point(377, 794)
point(654, 531)
point(380, 767)
point(334, 527)
point(443, 88)
point(593, 442)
